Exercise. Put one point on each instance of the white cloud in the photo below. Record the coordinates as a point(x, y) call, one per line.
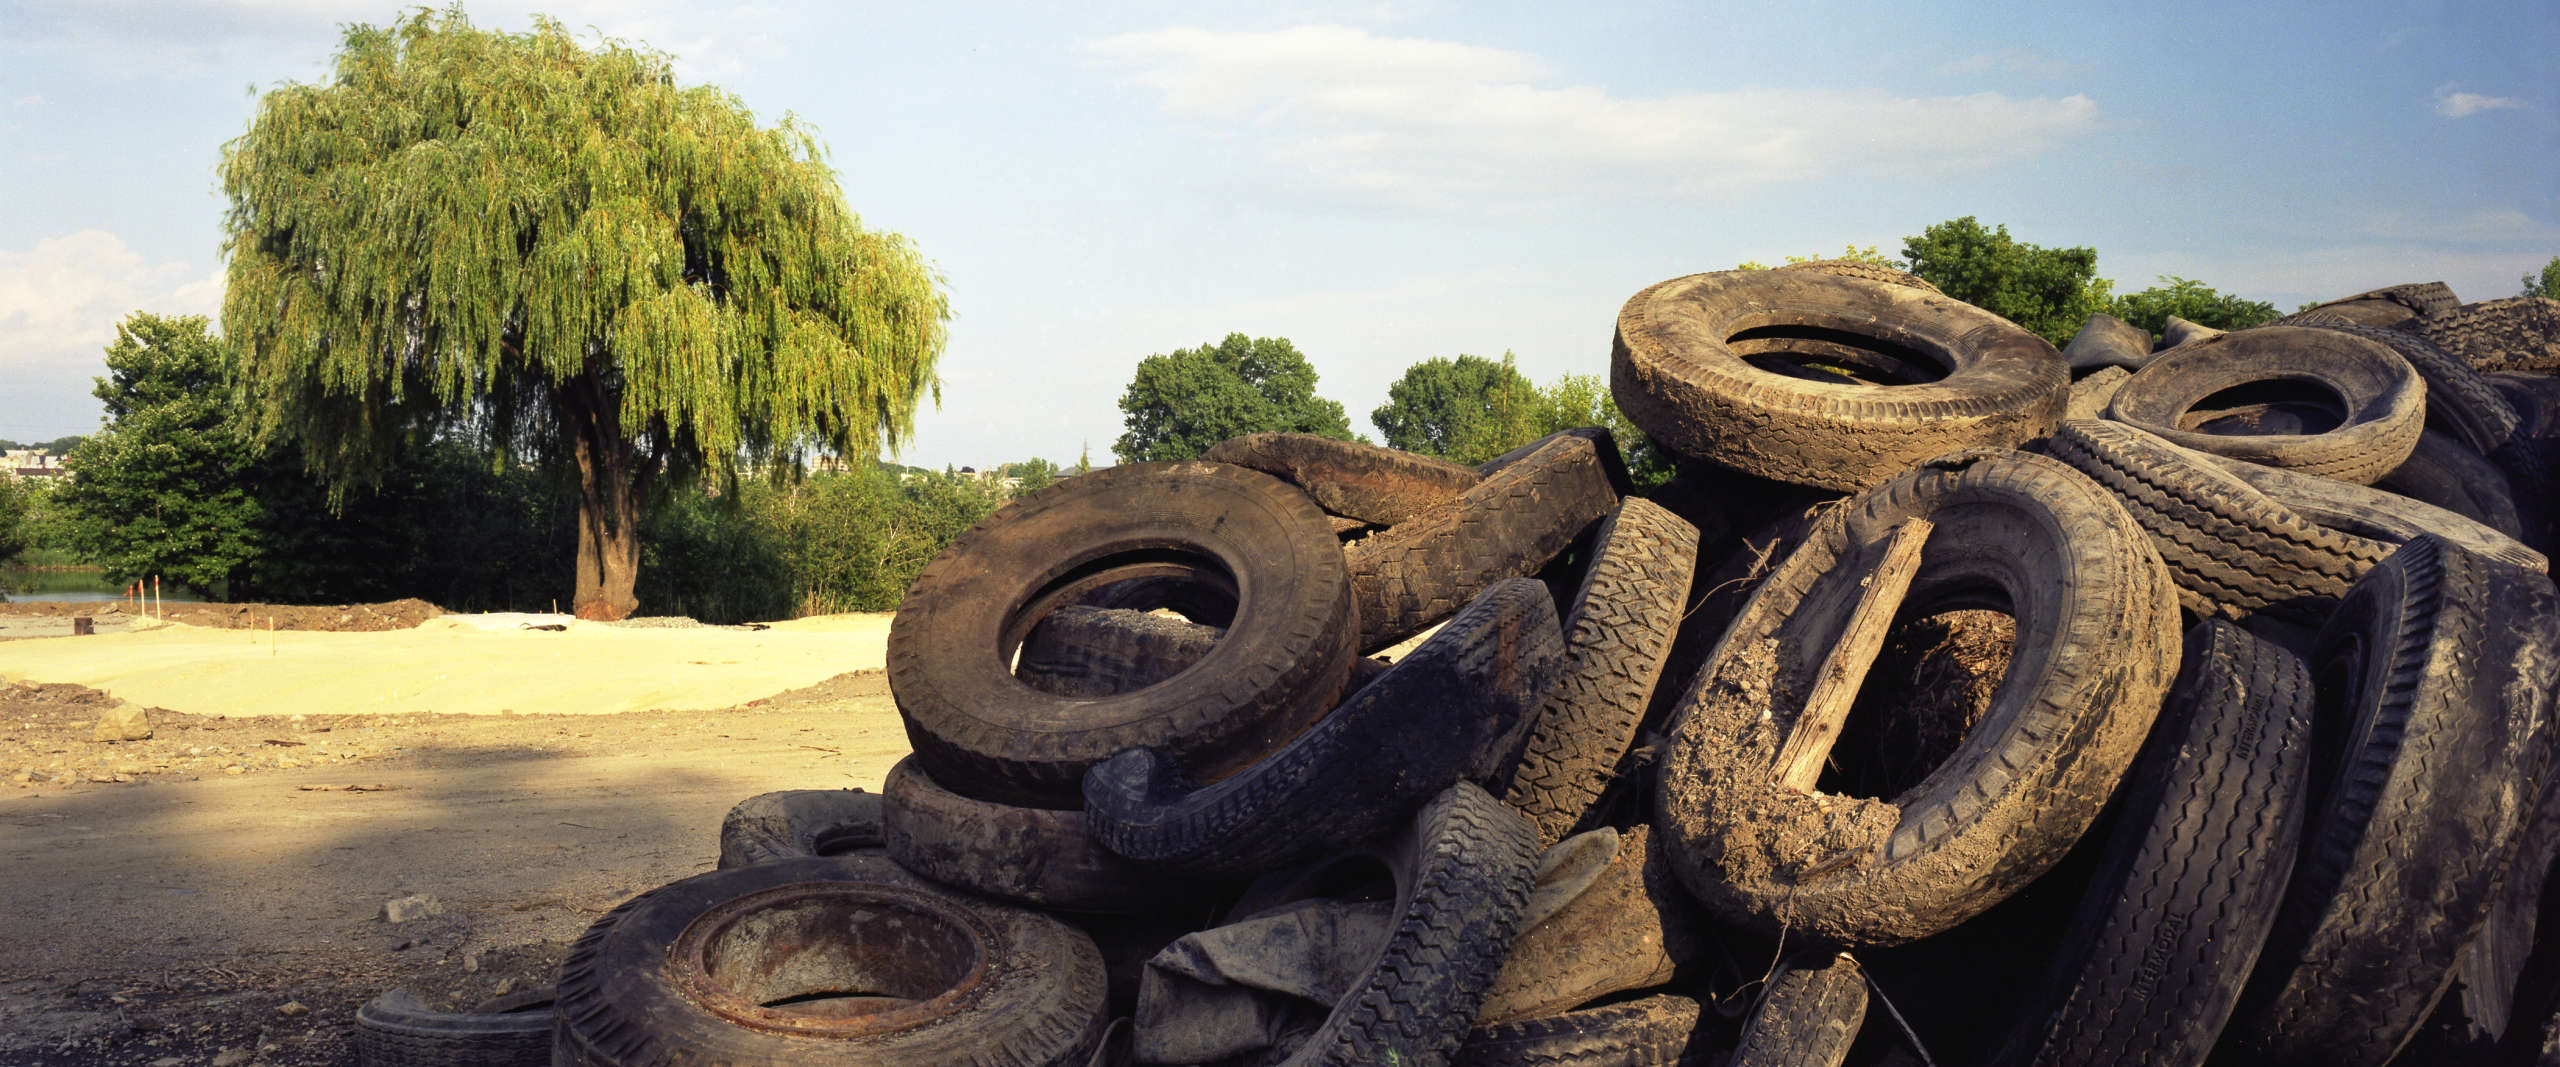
point(61, 299)
point(1427, 122)
point(2011, 61)
point(2455, 105)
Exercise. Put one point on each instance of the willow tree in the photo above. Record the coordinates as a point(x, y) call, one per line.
point(558, 252)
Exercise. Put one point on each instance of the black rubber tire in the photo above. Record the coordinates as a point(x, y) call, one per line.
point(2388, 307)
point(1808, 1017)
point(1661, 1030)
point(1604, 443)
point(2107, 341)
point(1856, 268)
point(2094, 612)
point(2177, 331)
point(2376, 513)
point(1682, 369)
point(2447, 474)
point(1464, 868)
point(1099, 652)
point(2384, 400)
point(2233, 551)
point(2434, 686)
point(2198, 852)
point(796, 823)
point(1003, 987)
point(1632, 928)
point(1037, 856)
point(1380, 486)
point(2519, 333)
point(2460, 401)
point(1617, 635)
point(1510, 525)
point(980, 730)
point(1456, 708)
point(396, 1029)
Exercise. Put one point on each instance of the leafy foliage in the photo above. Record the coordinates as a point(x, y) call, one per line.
point(2193, 301)
point(1465, 410)
point(1851, 253)
point(17, 530)
point(1183, 402)
point(2049, 291)
point(2544, 283)
point(561, 254)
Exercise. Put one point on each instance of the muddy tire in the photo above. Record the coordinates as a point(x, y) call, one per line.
point(396, 1029)
point(979, 729)
point(1617, 635)
point(2391, 518)
point(795, 823)
point(2386, 308)
point(1809, 1016)
point(686, 973)
point(1456, 708)
point(1711, 366)
point(1379, 486)
point(2435, 679)
point(1657, 1031)
point(2382, 401)
point(1424, 569)
point(2234, 551)
point(2460, 401)
point(1098, 652)
point(1874, 272)
point(2196, 860)
point(1632, 928)
point(1037, 856)
point(2448, 475)
point(2519, 333)
point(2093, 608)
point(2107, 341)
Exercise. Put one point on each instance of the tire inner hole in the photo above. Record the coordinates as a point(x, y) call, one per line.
point(838, 956)
point(1932, 682)
point(1822, 354)
point(1121, 623)
point(2273, 406)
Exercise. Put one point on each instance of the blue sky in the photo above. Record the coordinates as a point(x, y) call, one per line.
point(1386, 182)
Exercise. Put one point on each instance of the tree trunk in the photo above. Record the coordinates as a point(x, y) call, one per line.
point(608, 504)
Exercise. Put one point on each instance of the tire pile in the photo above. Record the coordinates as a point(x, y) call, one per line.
point(1961, 701)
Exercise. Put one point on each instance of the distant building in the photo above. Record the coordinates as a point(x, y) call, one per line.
point(19, 463)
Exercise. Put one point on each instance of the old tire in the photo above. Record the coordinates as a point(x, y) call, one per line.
point(1083, 651)
point(2093, 608)
point(2447, 474)
point(1632, 928)
point(2377, 401)
point(1454, 709)
point(396, 1029)
point(2436, 676)
point(2197, 857)
point(1808, 1017)
point(794, 823)
point(2460, 401)
point(1037, 856)
point(1379, 486)
point(1424, 569)
point(2233, 551)
point(2107, 341)
point(2389, 518)
point(2390, 307)
point(686, 973)
point(1617, 634)
point(1855, 268)
point(1708, 366)
point(1661, 1030)
point(2519, 333)
point(981, 730)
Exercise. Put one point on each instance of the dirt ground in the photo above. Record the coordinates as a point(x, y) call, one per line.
point(216, 892)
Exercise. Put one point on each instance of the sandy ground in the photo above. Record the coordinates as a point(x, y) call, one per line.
point(216, 891)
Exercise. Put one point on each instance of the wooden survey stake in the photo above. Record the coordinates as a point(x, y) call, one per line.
point(1835, 685)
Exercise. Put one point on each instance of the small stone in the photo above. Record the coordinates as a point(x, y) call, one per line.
point(235, 769)
point(416, 906)
point(506, 985)
point(288, 763)
point(130, 767)
point(291, 1009)
point(124, 722)
point(231, 1057)
point(169, 1061)
point(101, 776)
point(470, 963)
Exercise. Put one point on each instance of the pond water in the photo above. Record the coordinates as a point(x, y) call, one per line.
point(76, 586)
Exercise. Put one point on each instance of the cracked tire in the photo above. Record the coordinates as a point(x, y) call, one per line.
point(1714, 367)
point(1809, 1016)
point(1036, 856)
point(2434, 688)
point(2519, 333)
point(2460, 401)
point(979, 729)
point(794, 823)
point(2389, 518)
point(1379, 486)
point(2380, 400)
point(396, 1029)
point(2093, 609)
point(683, 974)
point(1854, 268)
point(2449, 475)
point(1657, 1031)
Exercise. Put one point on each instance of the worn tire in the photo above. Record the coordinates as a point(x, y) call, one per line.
point(2093, 608)
point(1808, 1017)
point(2176, 331)
point(2385, 308)
point(2448, 475)
point(2390, 518)
point(1632, 928)
point(794, 823)
point(979, 729)
point(1454, 709)
point(1000, 986)
point(1380, 486)
point(1424, 569)
point(2197, 856)
point(1855, 268)
point(1617, 634)
point(1605, 444)
point(1661, 1030)
point(2233, 551)
point(2107, 341)
point(396, 1029)
point(2383, 400)
point(1099, 652)
point(2436, 676)
point(2519, 333)
point(2460, 401)
point(1687, 368)
point(1038, 856)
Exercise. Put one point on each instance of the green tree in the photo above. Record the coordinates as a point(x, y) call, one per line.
point(1576, 400)
point(1183, 402)
point(1465, 410)
point(1033, 474)
point(2049, 291)
point(161, 490)
point(561, 254)
point(1851, 253)
point(2544, 283)
point(2193, 301)
point(17, 528)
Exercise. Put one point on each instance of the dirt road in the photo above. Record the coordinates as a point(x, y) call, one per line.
point(224, 899)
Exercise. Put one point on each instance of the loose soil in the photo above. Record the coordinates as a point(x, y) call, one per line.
point(335, 618)
point(220, 886)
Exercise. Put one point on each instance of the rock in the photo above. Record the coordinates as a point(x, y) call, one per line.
point(470, 963)
point(235, 769)
point(130, 767)
point(506, 985)
point(404, 909)
point(123, 722)
point(169, 1061)
point(291, 1009)
point(231, 1057)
